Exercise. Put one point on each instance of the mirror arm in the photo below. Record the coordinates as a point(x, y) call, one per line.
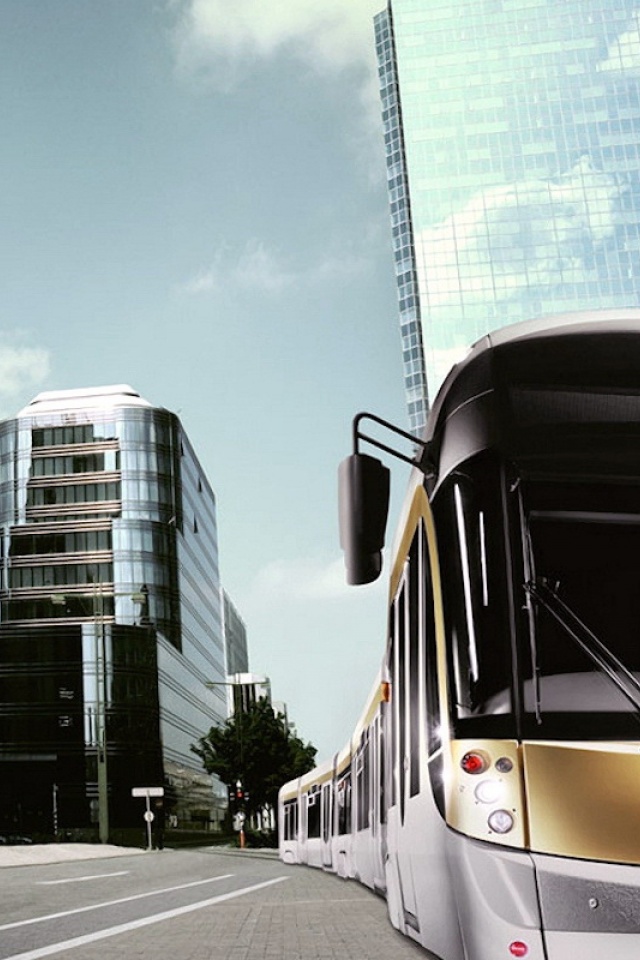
point(358, 435)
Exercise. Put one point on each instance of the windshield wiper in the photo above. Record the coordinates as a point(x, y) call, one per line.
point(588, 642)
point(529, 567)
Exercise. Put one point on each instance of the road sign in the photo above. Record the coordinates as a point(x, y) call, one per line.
point(147, 792)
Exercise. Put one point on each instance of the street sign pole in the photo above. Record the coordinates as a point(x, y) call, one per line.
point(55, 811)
point(147, 793)
point(148, 816)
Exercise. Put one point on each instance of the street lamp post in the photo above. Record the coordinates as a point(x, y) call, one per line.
point(101, 715)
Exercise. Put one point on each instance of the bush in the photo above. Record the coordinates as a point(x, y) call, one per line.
point(260, 838)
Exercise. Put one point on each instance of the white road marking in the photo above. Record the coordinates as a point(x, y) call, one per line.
point(113, 903)
point(95, 876)
point(137, 924)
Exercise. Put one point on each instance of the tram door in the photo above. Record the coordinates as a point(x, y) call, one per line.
point(407, 632)
point(327, 817)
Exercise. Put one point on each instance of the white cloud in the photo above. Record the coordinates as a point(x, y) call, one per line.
point(260, 269)
point(256, 268)
point(227, 39)
point(207, 280)
point(333, 269)
point(219, 44)
point(624, 52)
point(21, 367)
point(252, 268)
point(520, 235)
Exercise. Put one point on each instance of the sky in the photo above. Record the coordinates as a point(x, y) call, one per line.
point(194, 203)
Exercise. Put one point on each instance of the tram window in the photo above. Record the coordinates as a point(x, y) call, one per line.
point(434, 735)
point(415, 613)
point(290, 820)
point(585, 565)
point(401, 686)
point(362, 783)
point(344, 803)
point(471, 532)
point(313, 812)
point(382, 775)
point(391, 715)
point(327, 811)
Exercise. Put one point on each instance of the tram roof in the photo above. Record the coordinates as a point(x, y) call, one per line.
point(588, 362)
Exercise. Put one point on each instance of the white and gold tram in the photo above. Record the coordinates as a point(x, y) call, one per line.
point(491, 790)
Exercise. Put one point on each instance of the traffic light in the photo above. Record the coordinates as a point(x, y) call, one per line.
point(239, 792)
point(237, 795)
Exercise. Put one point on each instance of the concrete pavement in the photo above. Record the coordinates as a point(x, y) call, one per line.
point(30, 854)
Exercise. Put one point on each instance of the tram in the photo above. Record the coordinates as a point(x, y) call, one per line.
point(491, 789)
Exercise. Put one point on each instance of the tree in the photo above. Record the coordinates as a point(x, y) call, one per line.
point(257, 748)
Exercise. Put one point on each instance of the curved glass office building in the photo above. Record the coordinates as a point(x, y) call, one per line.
point(512, 131)
point(111, 619)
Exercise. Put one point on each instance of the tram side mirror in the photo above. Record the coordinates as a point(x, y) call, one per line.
point(363, 484)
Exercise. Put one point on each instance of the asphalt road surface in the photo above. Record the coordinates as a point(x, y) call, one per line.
point(191, 905)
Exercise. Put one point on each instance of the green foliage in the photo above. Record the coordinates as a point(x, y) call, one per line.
point(257, 748)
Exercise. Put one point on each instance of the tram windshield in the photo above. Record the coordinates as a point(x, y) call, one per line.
point(541, 590)
point(581, 565)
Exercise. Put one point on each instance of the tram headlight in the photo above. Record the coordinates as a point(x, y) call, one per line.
point(500, 821)
point(488, 791)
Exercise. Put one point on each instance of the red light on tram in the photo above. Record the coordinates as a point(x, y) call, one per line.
point(473, 763)
point(518, 949)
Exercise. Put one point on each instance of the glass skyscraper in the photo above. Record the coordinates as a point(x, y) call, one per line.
point(235, 634)
point(110, 616)
point(512, 131)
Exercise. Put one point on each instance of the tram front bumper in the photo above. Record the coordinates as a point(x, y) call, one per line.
point(589, 910)
point(556, 908)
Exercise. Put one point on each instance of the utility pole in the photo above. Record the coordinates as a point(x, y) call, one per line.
point(101, 715)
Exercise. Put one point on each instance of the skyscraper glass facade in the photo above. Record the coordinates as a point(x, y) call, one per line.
point(512, 131)
point(235, 637)
point(110, 612)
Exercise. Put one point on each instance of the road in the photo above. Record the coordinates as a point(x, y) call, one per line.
point(192, 905)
